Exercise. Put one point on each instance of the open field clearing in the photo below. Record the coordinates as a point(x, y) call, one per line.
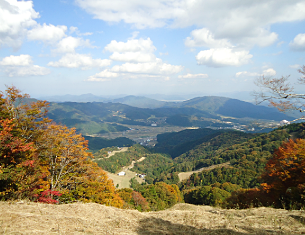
point(91, 218)
point(186, 175)
point(123, 181)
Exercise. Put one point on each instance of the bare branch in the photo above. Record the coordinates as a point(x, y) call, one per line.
point(280, 93)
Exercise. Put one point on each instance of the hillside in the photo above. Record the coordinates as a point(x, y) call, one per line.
point(233, 108)
point(139, 102)
point(90, 218)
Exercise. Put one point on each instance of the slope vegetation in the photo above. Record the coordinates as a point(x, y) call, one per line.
point(90, 218)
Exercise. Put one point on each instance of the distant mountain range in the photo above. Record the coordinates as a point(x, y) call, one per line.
point(108, 116)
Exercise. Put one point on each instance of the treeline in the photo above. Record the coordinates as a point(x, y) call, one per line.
point(97, 143)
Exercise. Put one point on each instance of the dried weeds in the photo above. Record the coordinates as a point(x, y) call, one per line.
point(79, 218)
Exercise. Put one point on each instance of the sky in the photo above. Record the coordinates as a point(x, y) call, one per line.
point(139, 47)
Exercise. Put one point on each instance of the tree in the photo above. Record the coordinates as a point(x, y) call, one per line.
point(280, 93)
point(63, 153)
point(284, 175)
point(139, 201)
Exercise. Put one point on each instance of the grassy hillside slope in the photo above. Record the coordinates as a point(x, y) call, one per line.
point(79, 218)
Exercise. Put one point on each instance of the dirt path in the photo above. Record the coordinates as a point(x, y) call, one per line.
point(124, 149)
point(132, 164)
point(186, 175)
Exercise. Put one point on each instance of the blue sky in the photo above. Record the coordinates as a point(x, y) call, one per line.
point(137, 47)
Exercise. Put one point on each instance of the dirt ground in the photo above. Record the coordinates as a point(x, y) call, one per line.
point(186, 175)
point(78, 218)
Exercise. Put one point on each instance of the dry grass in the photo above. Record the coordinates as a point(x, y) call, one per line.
point(78, 218)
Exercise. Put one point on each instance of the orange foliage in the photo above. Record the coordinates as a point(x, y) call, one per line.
point(286, 168)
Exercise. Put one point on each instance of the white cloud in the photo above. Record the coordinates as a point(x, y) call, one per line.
point(19, 66)
point(240, 22)
point(142, 14)
point(134, 50)
point(157, 67)
point(78, 33)
point(298, 43)
point(140, 61)
point(295, 66)
point(69, 44)
point(33, 70)
point(205, 38)
point(79, 61)
point(137, 57)
point(190, 76)
point(269, 72)
point(247, 74)
point(22, 60)
point(105, 75)
point(132, 45)
point(266, 72)
point(15, 18)
point(220, 57)
point(47, 33)
point(162, 54)
point(134, 34)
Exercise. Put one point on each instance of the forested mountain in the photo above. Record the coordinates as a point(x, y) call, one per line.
point(233, 108)
point(218, 112)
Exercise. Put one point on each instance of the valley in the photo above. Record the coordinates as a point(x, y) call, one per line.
point(145, 135)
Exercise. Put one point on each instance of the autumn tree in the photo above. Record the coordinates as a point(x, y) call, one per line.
point(284, 178)
point(20, 124)
point(280, 93)
point(139, 201)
